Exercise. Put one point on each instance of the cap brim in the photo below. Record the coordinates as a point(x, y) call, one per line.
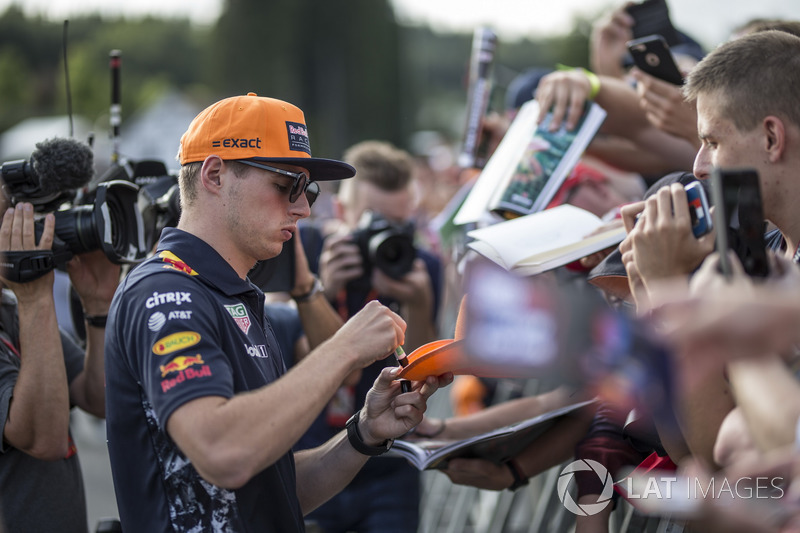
point(433, 359)
point(610, 275)
point(320, 169)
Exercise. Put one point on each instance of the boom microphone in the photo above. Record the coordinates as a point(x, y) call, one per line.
point(57, 168)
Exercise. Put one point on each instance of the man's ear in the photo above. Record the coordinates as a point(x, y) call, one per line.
point(774, 138)
point(211, 173)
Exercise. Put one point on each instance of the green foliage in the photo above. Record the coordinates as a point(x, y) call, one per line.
point(156, 54)
point(355, 72)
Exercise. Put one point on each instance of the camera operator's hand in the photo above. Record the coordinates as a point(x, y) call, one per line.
point(414, 292)
point(413, 289)
point(339, 263)
point(95, 278)
point(17, 233)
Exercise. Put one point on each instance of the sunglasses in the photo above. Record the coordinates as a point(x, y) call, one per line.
point(300, 184)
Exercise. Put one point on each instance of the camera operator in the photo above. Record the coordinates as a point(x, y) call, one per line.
point(373, 256)
point(43, 373)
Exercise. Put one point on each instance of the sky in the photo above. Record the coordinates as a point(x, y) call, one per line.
point(708, 21)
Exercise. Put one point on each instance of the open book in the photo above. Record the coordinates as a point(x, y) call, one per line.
point(529, 165)
point(542, 241)
point(497, 445)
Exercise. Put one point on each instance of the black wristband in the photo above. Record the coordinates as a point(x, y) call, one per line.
point(354, 436)
point(520, 480)
point(97, 321)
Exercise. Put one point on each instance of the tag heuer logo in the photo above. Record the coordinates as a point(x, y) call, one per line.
point(239, 314)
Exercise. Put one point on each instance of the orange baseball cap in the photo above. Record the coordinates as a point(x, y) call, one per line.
point(257, 128)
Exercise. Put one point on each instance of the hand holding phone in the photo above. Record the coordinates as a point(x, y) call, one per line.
point(651, 54)
point(652, 17)
point(739, 217)
point(699, 211)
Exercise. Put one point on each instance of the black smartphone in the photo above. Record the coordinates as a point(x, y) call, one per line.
point(651, 55)
point(698, 209)
point(276, 274)
point(737, 208)
point(652, 17)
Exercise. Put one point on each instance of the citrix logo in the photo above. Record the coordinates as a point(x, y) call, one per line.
point(566, 477)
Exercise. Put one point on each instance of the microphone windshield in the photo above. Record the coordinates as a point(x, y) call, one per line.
point(62, 165)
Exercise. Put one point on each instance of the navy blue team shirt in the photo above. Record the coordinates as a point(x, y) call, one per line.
point(182, 326)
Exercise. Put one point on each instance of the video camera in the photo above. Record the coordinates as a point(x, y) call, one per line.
point(159, 197)
point(389, 246)
point(105, 218)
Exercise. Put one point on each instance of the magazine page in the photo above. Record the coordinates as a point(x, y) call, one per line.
point(500, 167)
point(544, 164)
point(497, 445)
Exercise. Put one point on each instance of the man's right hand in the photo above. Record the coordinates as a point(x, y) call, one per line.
point(371, 334)
point(17, 233)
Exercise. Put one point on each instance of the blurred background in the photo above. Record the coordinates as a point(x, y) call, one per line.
point(395, 70)
point(359, 69)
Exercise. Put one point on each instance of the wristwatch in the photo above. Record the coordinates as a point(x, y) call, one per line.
point(354, 436)
point(316, 288)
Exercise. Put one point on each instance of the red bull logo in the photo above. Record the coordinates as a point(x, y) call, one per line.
point(185, 368)
point(176, 341)
point(180, 363)
point(174, 262)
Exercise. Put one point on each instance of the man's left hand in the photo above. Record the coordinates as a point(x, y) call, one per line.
point(388, 413)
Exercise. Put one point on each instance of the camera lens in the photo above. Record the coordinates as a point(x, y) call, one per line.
point(76, 227)
point(392, 252)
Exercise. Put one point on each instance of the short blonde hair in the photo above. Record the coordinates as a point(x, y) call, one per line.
point(751, 77)
point(377, 162)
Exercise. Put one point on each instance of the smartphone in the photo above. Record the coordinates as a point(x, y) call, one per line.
point(276, 274)
point(652, 17)
point(698, 209)
point(737, 205)
point(651, 55)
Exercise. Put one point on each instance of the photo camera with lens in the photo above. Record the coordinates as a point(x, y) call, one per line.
point(385, 245)
point(105, 218)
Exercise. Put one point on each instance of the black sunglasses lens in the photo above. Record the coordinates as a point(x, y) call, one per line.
point(297, 187)
point(312, 192)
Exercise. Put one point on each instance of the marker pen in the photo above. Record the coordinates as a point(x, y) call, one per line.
point(402, 360)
